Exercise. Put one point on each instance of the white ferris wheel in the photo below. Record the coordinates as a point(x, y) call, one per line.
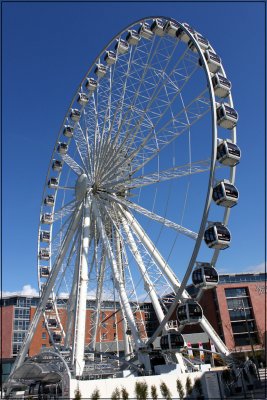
point(138, 193)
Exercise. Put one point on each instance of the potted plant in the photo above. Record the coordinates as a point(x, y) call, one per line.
point(141, 390)
point(188, 386)
point(165, 391)
point(95, 395)
point(124, 394)
point(180, 389)
point(77, 394)
point(115, 394)
point(154, 393)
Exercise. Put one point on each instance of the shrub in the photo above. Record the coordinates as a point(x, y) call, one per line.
point(188, 386)
point(165, 391)
point(95, 395)
point(77, 394)
point(124, 394)
point(154, 393)
point(141, 390)
point(115, 394)
point(180, 389)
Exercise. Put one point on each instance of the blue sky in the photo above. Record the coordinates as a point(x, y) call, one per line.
point(47, 49)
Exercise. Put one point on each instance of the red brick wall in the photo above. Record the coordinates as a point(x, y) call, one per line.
point(6, 330)
point(258, 305)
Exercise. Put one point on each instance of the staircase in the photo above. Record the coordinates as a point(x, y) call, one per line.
point(263, 376)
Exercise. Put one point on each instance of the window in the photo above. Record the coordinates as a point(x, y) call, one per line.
point(236, 292)
point(43, 335)
point(114, 336)
point(103, 336)
point(43, 345)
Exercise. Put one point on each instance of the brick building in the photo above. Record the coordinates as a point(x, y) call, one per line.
point(235, 308)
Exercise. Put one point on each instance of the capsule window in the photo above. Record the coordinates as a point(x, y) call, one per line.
point(47, 218)
point(45, 236)
point(110, 57)
point(100, 70)
point(171, 28)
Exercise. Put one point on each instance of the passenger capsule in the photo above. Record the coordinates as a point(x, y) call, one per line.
point(157, 27)
point(171, 28)
point(121, 46)
point(217, 236)
point(132, 37)
point(100, 70)
point(49, 305)
point(205, 276)
point(228, 153)
point(82, 99)
point(213, 61)
point(110, 57)
point(44, 272)
point(91, 84)
point(57, 337)
point(221, 85)
point(189, 313)
point(145, 31)
point(45, 236)
point(182, 34)
point(47, 218)
point(52, 322)
point(52, 183)
point(68, 131)
point(44, 254)
point(225, 194)
point(172, 341)
point(62, 148)
point(75, 114)
point(203, 43)
point(57, 165)
point(49, 200)
point(227, 116)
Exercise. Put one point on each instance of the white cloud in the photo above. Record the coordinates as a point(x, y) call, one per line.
point(252, 269)
point(257, 268)
point(27, 290)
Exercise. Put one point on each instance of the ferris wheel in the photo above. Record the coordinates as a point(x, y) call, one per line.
point(138, 191)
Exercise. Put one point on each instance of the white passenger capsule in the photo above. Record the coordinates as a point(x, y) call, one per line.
point(221, 85)
point(44, 272)
point(100, 70)
point(157, 27)
point(62, 148)
point(132, 37)
point(205, 276)
point(217, 236)
point(75, 114)
point(57, 165)
point(145, 31)
point(45, 236)
point(189, 313)
point(213, 61)
point(91, 84)
point(47, 218)
point(49, 200)
point(182, 34)
point(44, 254)
point(228, 153)
point(225, 194)
point(121, 46)
point(227, 116)
point(171, 28)
point(110, 57)
point(52, 322)
point(52, 183)
point(82, 99)
point(203, 43)
point(57, 337)
point(172, 341)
